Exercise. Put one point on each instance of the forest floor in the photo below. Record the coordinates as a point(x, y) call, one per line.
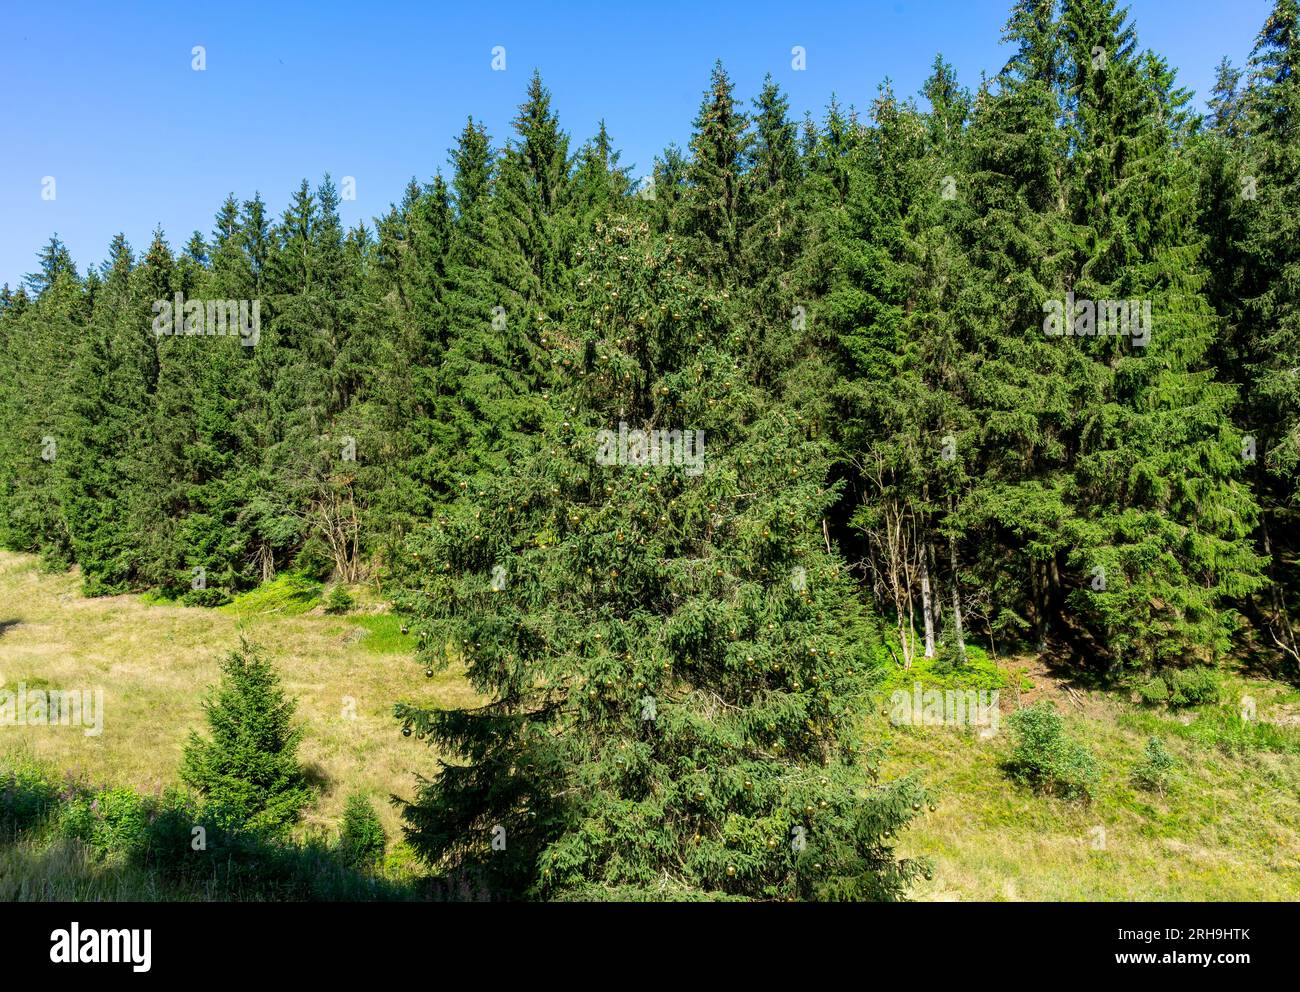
point(1227, 828)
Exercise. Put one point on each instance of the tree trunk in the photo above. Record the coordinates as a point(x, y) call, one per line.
point(956, 600)
point(938, 599)
point(926, 605)
point(1036, 571)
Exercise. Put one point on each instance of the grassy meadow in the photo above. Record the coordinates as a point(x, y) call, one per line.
point(156, 661)
point(1226, 828)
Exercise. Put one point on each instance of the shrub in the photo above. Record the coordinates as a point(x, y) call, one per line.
point(338, 601)
point(210, 596)
point(150, 839)
point(362, 841)
point(27, 798)
point(1192, 686)
point(114, 823)
point(1045, 759)
point(170, 850)
point(1153, 691)
point(1180, 687)
point(1152, 772)
point(54, 559)
point(247, 771)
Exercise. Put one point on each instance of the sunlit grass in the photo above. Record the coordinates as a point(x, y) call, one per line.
point(155, 663)
point(1227, 828)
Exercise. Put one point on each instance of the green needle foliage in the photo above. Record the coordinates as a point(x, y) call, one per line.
point(853, 311)
point(246, 769)
point(677, 668)
point(361, 839)
point(1152, 772)
point(1046, 759)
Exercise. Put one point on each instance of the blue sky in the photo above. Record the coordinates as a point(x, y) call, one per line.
point(103, 97)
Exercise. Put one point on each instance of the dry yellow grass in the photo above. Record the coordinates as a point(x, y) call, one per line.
point(154, 664)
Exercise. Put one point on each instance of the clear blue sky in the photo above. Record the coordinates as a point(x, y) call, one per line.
point(102, 95)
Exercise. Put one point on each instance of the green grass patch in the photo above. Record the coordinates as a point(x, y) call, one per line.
point(1227, 731)
point(288, 594)
point(1225, 827)
point(940, 672)
point(384, 634)
point(1222, 727)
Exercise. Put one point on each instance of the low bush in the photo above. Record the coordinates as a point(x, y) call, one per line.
point(1045, 759)
point(338, 601)
point(1152, 772)
point(27, 799)
point(1192, 686)
point(210, 596)
point(171, 844)
point(1180, 687)
point(1153, 691)
point(112, 822)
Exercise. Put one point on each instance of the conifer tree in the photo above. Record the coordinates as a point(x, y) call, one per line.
point(111, 380)
point(492, 373)
point(198, 443)
point(1261, 279)
point(714, 206)
point(1013, 228)
point(1160, 507)
point(598, 184)
point(411, 272)
point(775, 229)
point(676, 667)
point(247, 769)
point(55, 261)
point(34, 391)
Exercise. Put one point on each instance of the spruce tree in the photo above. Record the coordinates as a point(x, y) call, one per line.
point(1162, 516)
point(1010, 200)
point(112, 378)
point(497, 293)
point(1263, 275)
point(198, 444)
point(714, 205)
point(676, 668)
point(247, 769)
point(34, 400)
point(411, 274)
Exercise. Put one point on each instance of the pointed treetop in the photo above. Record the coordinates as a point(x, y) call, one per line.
point(1225, 98)
point(120, 261)
point(1032, 29)
point(471, 162)
point(196, 248)
point(1276, 55)
point(775, 153)
point(55, 261)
